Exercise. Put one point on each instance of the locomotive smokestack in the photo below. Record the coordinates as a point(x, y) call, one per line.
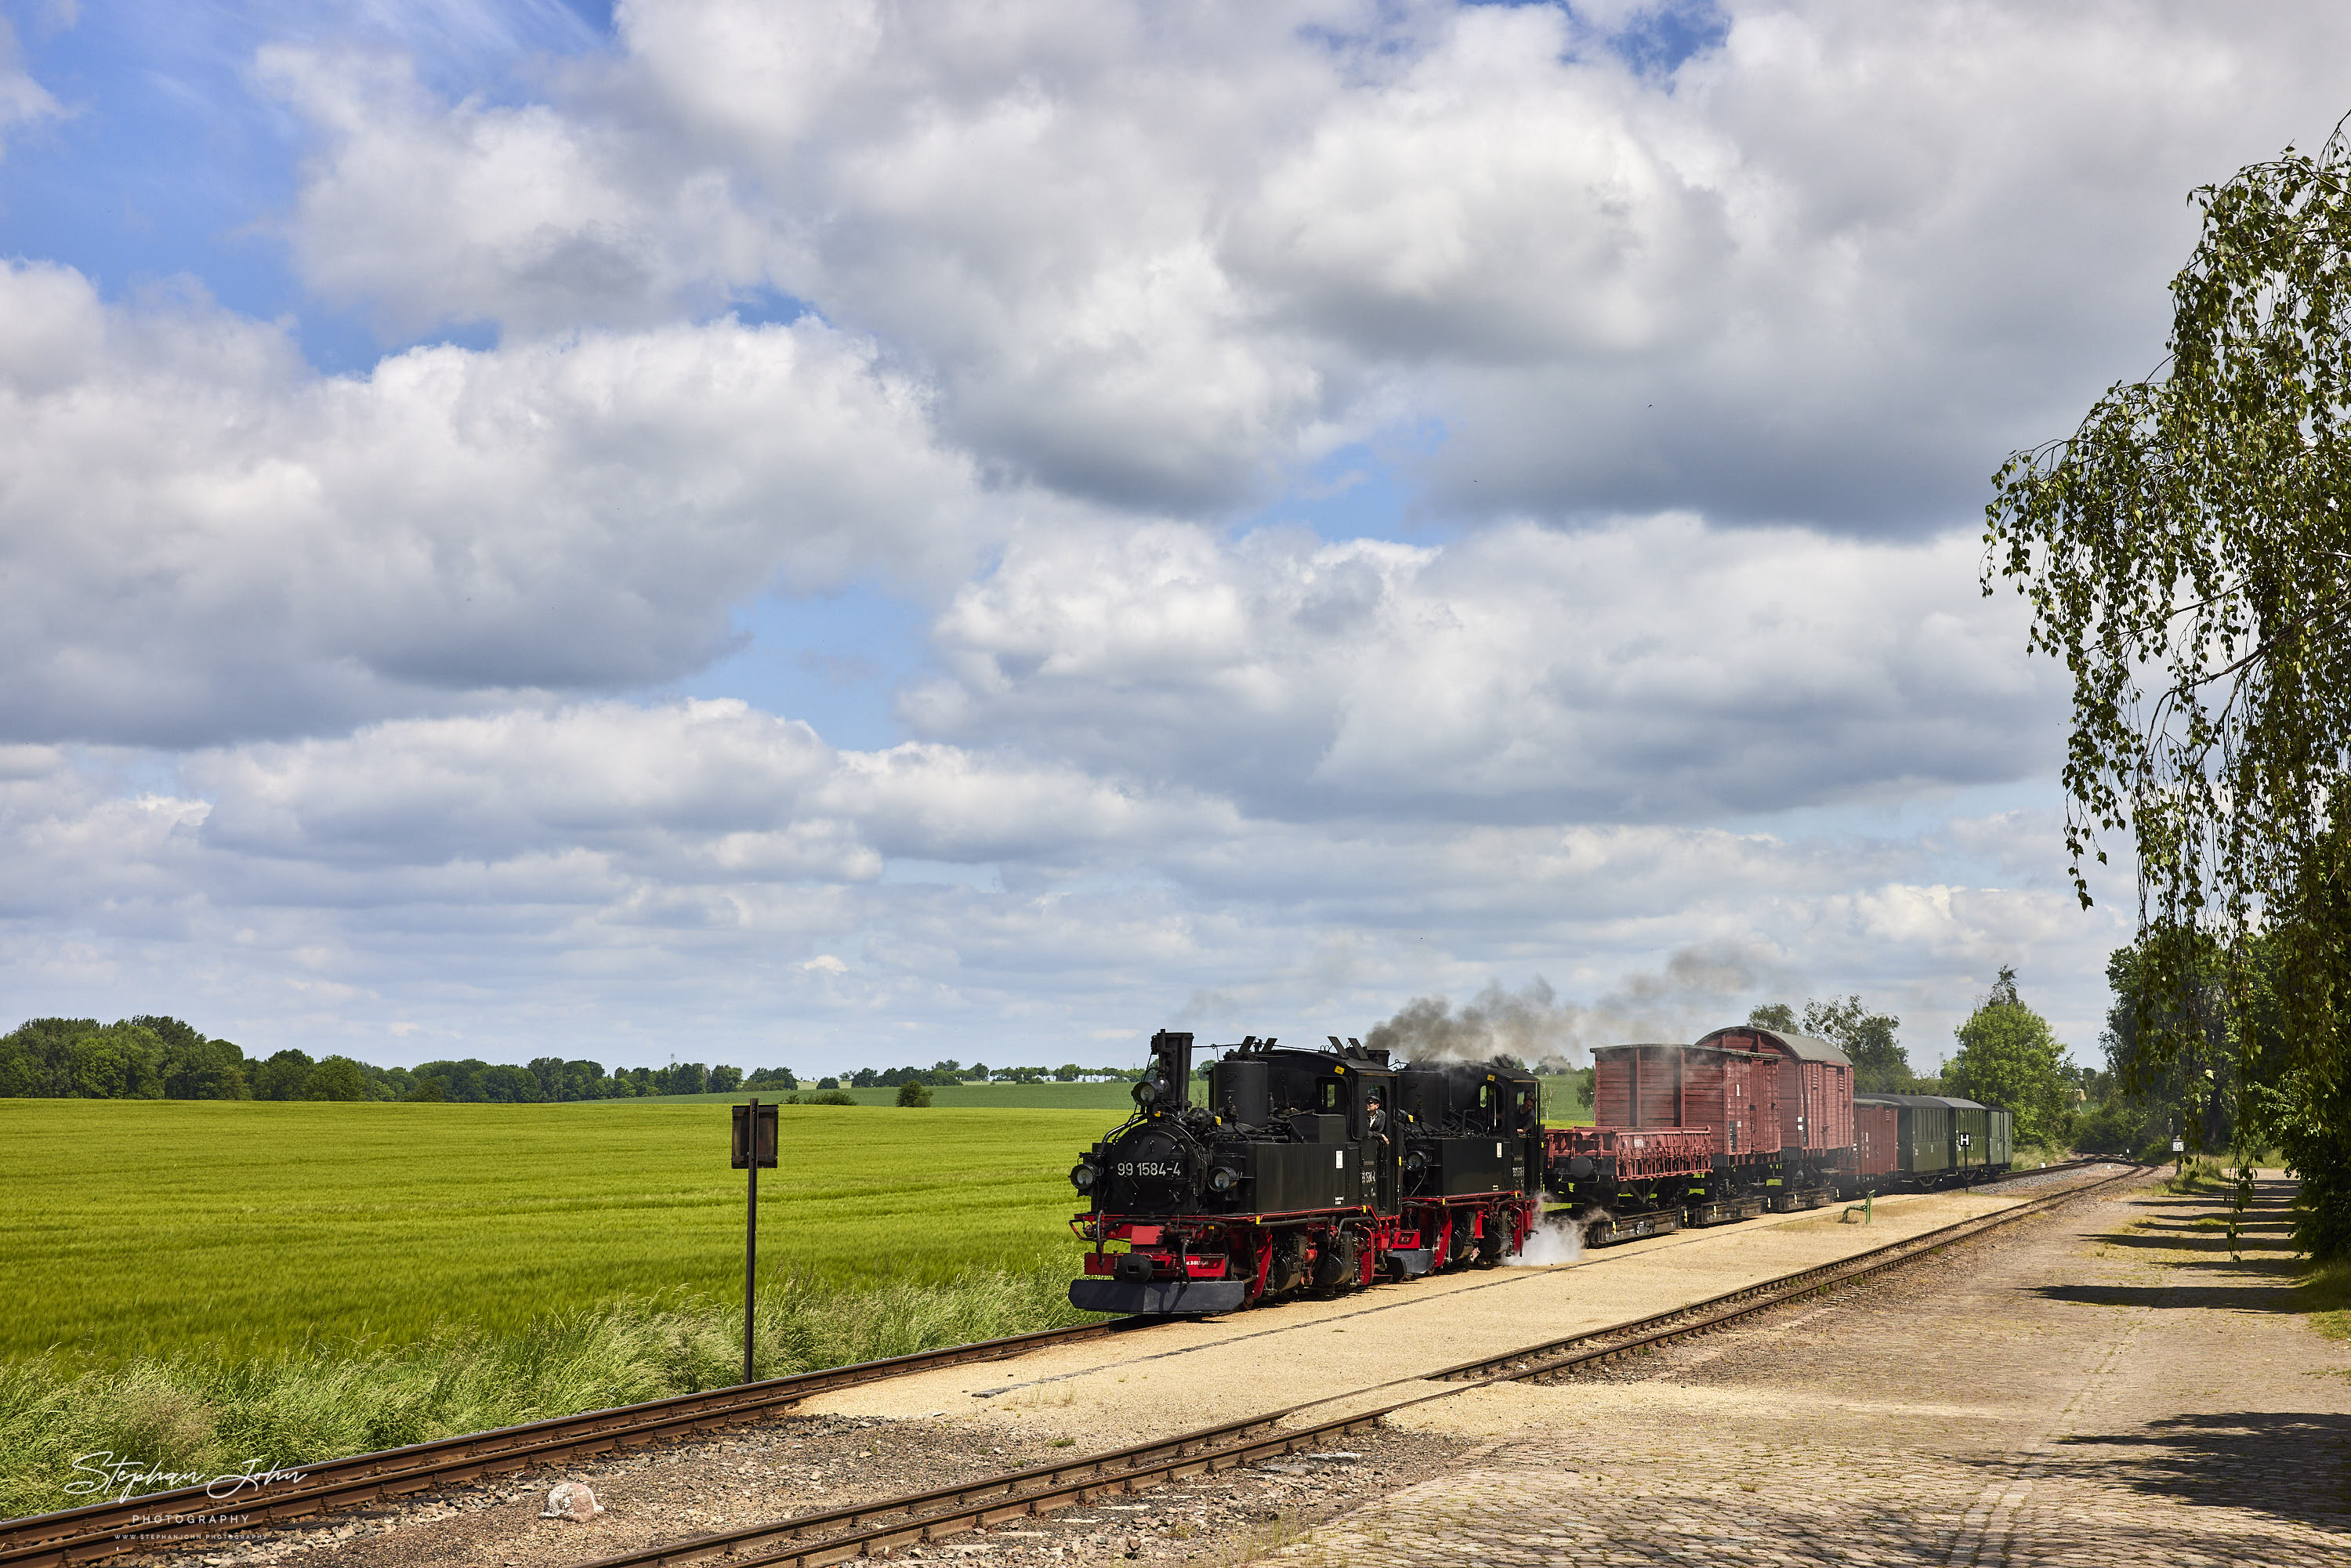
point(1171, 1056)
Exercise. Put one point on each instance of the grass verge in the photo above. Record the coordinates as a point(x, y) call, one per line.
point(186, 1417)
point(2326, 1297)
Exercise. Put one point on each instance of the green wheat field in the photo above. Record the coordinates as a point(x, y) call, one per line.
point(230, 1229)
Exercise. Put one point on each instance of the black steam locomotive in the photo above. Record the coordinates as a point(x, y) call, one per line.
point(1305, 1169)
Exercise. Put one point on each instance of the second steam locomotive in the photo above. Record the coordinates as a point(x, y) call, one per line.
point(1327, 1170)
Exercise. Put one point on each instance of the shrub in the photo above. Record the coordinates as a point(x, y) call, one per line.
point(827, 1097)
point(914, 1094)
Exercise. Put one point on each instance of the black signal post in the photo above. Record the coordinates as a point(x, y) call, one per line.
point(754, 1145)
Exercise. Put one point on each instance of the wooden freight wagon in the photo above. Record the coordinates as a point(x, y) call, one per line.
point(1816, 1083)
point(1733, 1094)
point(1877, 1148)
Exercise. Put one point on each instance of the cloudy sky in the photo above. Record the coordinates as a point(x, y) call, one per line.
point(845, 533)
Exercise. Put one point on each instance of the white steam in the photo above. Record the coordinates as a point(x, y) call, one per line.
point(1554, 1240)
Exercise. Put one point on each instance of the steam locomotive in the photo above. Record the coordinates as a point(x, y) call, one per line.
point(1330, 1169)
point(1321, 1169)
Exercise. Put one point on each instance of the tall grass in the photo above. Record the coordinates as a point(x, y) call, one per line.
point(2198, 1174)
point(211, 1417)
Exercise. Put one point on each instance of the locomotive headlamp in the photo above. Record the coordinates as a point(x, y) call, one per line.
point(1082, 1176)
point(1223, 1178)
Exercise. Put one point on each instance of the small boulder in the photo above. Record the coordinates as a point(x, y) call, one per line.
point(573, 1500)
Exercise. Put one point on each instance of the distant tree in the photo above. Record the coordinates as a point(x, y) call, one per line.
point(428, 1090)
point(282, 1076)
point(684, 1077)
point(36, 1056)
point(1067, 1072)
point(828, 1083)
point(507, 1085)
point(194, 1068)
point(725, 1079)
point(2008, 1056)
point(914, 1093)
point(1774, 1015)
point(864, 1078)
point(548, 1072)
point(120, 1062)
point(585, 1080)
point(977, 1070)
point(335, 1078)
point(206, 1070)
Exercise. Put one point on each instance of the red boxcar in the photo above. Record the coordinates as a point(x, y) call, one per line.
point(1875, 1149)
point(1815, 1086)
point(1733, 1094)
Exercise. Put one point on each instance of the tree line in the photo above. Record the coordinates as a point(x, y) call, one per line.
point(154, 1057)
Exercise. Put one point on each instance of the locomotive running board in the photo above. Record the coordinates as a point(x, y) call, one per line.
point(1631, 1228)
point(1722, 1213)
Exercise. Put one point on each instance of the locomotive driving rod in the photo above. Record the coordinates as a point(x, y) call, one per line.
point(835, 1535)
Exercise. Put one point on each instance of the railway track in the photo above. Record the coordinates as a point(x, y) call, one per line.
point(836, 1535)
point(100, 1531)
point(95, 1532)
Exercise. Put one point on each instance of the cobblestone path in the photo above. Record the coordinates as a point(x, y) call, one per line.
point(2104, 1388)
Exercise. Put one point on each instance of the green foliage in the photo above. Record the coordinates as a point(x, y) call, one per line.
point(825, 1097)
point(283, 1076)
point(1774, 1015)
point(313, 1224)
point(335, 1078)
point(2112, 1127)
point(2187, 552)
point(914, 1094)
point(2009, 1057)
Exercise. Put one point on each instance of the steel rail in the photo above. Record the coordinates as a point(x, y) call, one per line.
point(1015, 1494)
point(93, 1532)
point(98, 1531)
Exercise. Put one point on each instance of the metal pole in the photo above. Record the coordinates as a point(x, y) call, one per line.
point(750, 1237)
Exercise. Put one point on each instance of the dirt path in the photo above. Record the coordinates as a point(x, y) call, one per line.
point(2105, 1388)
